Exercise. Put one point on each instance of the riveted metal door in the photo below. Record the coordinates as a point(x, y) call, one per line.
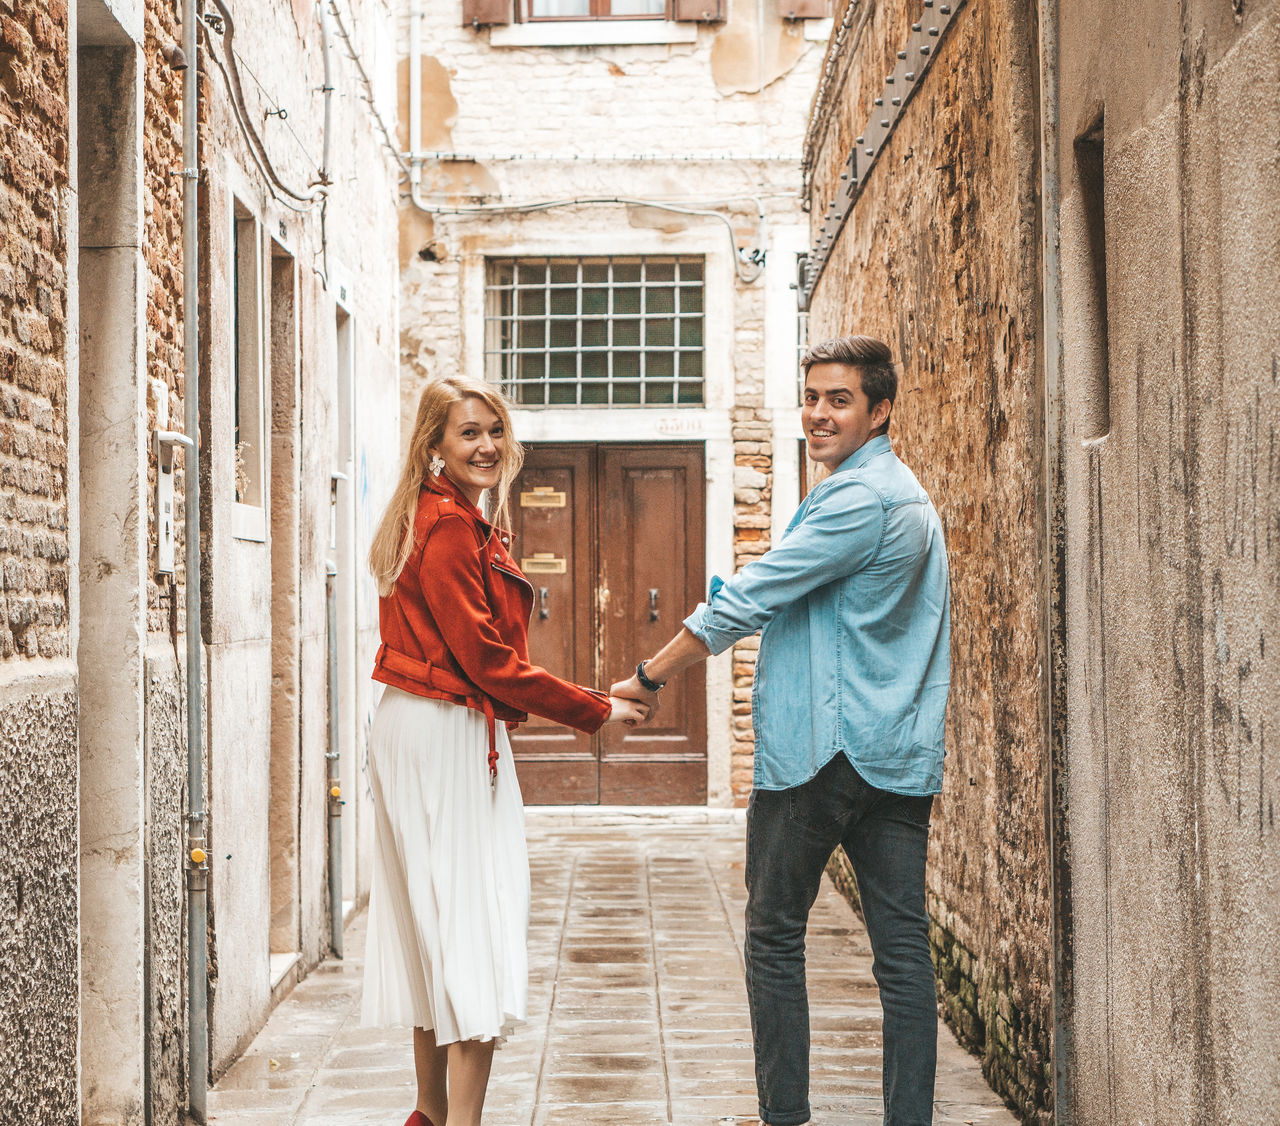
point(616, 567)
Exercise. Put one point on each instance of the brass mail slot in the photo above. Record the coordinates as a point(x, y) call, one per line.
point(542, 563)
point(543, 496)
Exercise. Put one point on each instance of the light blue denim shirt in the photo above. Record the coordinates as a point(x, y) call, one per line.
point(854, 608)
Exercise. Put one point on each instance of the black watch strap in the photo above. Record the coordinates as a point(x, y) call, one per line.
point(647, 684)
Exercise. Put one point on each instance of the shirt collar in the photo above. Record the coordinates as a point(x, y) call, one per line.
point(445, 486)
point(880, 444)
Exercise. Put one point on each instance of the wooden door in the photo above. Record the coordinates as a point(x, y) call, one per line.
point(612, 537)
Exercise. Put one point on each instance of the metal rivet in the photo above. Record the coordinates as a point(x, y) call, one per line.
point(884, 123)
point(902, 54)
point(945, 9)
point(928, 3)
point(897, 101)
point(844, 175)
point(889, 81)
point(871, 152)
point(858, 141)
point(879, 101)
point(925, 49)
point(915, 27)
point(910, 76)
point(933, 31)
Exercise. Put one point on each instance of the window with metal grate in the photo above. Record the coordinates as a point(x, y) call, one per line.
point(625, 331)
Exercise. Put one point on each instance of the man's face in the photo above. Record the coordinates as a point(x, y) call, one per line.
point(836, 415)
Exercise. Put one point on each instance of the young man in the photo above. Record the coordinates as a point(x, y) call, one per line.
point(850, 695)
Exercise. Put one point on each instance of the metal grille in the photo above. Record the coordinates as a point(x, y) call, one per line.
point(596, 331)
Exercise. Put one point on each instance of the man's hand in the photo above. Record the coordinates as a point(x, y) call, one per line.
point(631, 689)
point(628, 711)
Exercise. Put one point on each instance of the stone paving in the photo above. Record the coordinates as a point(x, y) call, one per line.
point(637, 1010)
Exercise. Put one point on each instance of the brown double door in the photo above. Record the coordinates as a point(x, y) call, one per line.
point(612, 538)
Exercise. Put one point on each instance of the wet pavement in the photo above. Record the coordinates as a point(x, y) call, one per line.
point(637, 1010)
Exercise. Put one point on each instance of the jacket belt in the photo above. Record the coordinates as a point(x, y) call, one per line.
point(442, 680)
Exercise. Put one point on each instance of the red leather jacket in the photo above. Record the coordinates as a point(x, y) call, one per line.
point(456, 625)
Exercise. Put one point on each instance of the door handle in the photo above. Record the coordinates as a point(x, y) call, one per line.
point(543, 612)
point(653, 604)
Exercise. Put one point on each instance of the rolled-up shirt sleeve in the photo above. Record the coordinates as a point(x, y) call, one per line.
point(839, 533)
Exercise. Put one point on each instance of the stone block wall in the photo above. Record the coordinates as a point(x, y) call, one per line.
point(940, 259)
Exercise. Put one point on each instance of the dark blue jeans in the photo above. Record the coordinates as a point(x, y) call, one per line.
point(790, 835)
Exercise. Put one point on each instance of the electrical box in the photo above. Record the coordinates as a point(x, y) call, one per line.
point(166, 534)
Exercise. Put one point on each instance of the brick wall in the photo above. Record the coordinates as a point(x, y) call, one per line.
point(940, 259)
point(34, 537)
point(752, 496)
point(162, 252)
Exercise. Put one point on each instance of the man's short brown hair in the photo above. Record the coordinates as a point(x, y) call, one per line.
point(870, 356)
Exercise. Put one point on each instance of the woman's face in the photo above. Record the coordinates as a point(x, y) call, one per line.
point(472, 447)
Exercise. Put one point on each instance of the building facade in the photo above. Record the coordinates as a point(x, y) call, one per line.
point(604, 218)
point(1058, 218)
point(295, 175)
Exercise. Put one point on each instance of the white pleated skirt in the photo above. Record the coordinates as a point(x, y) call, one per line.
point(447, 945)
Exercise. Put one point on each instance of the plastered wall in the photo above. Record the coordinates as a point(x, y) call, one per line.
point(1172, 590)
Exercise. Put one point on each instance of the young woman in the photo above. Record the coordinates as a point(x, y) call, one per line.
point(449, 906)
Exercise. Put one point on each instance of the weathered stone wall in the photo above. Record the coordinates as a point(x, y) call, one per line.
point(939, 258)
point(1170, 413)
point(39, 909)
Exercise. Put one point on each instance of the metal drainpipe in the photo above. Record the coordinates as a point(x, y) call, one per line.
point(415, 97)
point(332, 758)
point(197, 852)
point(326, 51)
point(1053, 625)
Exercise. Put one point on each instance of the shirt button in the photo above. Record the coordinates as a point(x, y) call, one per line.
point(505, 540)
point(497, 558)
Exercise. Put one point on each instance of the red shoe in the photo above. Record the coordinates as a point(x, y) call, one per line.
point(417, 1118)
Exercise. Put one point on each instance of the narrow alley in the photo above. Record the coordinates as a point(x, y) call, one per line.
point(637, 1011)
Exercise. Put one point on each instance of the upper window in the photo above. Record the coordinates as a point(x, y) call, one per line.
point(594, 9)
point(596, 331)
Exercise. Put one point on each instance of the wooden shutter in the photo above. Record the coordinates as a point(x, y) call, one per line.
point(485, 13)
point(804, 9)
point(698, 11)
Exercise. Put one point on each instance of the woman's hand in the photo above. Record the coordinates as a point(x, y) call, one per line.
point(630, 712)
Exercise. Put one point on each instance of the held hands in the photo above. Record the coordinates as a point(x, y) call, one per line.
point(630, 712)
point(632, 690)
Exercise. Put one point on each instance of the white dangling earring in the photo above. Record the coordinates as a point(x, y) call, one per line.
point(437, 464)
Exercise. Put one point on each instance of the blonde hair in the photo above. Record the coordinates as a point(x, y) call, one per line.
point(393, 541)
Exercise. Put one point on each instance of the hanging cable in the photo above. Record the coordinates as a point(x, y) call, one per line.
point(354, 55)
point(282, 192)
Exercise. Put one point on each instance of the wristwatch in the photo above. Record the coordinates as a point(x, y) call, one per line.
point(647, 684)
